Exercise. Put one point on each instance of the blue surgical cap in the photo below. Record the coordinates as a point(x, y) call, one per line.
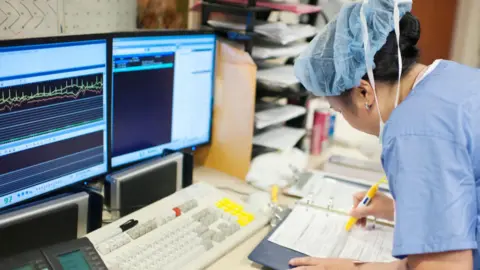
point(335, 59)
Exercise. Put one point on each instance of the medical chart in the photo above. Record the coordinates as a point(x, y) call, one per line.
point(329, 191)
point(322, 234)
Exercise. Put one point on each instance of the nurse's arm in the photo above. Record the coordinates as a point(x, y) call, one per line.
point(457, 260)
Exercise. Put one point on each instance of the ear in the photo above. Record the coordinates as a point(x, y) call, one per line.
point(363, 95)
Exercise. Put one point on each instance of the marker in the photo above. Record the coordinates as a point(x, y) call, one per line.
point(365, 202)
point(120, 229)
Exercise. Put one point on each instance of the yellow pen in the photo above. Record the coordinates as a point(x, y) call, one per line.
point(366, 200)
point(274, 194)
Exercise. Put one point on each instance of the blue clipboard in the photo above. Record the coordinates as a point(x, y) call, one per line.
point(272, 255)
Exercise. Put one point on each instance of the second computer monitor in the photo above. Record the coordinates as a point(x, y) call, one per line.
point(162, 94)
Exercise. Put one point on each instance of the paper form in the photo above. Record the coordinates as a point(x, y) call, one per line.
point(318, 233)
point(324, 191)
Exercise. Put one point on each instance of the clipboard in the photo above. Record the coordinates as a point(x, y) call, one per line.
point(272, 255)
point(306, 181)
point(276, 256)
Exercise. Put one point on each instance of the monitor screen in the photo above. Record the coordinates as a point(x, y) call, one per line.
point(162, 94)
point(52, 116)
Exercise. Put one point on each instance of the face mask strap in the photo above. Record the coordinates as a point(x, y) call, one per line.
point(366, 46)
point(396, 19)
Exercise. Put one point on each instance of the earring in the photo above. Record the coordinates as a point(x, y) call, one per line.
point(367, 106)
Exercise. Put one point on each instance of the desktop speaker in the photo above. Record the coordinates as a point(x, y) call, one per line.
point(140, 185)
point(43, 223)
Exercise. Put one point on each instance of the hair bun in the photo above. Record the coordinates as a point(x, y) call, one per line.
point(409, 30)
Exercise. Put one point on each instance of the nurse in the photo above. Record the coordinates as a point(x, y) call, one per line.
point(428, 121)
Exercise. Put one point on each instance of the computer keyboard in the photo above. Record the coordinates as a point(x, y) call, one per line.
point(190, 229)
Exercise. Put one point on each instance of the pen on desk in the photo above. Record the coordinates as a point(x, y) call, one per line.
point(365, 202)
point(274, 194)
point(128, 225)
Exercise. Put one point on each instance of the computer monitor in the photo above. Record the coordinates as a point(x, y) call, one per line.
point(52, 114)
point(162, 93)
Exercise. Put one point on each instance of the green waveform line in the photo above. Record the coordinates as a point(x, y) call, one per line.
point(51, 131)
point(72, 90)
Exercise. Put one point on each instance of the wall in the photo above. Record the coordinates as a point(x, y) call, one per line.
point(27, 18)
point(466, 45)
point(437, 19)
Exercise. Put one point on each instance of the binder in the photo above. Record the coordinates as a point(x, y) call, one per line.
point(272, 255)
point(276, 256)
point(311, 181)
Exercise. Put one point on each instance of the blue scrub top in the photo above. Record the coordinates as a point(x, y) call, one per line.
point(431, 155)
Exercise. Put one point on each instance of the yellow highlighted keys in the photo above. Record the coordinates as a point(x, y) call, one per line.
point(243, 218)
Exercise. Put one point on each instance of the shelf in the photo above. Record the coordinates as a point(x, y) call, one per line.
point(234, 9)
point(290, 92)
point(280, 138)
point(298, 9)
point(231, 34)
point(276, 116)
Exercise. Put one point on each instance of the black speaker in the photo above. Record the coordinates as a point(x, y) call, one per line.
point(140, 185)
point(188, 164)
point(43, 223)
point(187, 169)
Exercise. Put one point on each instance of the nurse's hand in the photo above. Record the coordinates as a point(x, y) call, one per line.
point(310, 263)
point(381, 207)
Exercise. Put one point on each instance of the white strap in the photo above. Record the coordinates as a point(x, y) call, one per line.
point(366, 46)
point(396, 20)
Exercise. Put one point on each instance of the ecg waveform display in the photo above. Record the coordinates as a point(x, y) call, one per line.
point(33, 95)
point(31, 110)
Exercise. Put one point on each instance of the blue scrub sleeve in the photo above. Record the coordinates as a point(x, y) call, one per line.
point(435, 198)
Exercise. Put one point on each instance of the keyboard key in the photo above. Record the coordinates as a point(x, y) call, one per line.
point(208, 235)
point(177, 211)
point(218, 237)
point(104, 248)
point(207, 244)
point(201, 229)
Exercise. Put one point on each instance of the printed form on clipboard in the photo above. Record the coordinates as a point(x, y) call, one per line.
point(321, 233)
point(326, 189)
point(316, 225)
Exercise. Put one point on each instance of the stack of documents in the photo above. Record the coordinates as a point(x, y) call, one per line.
point(321, 233)
point(278, 115)
point(371, 171)
point(281, 76)
point(263, 52)
point(277, 32)
point(281, 138)
point(284, 34)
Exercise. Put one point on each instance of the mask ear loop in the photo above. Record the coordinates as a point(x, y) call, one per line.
point(396, 19)
point(366, 47)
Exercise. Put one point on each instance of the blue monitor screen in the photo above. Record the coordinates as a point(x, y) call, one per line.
point(162, 95)
point(52, 117)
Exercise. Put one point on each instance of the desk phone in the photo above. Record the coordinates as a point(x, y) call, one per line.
point(77, 254)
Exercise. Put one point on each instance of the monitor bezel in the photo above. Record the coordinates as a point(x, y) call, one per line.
point(159, 33)
point(20, 42)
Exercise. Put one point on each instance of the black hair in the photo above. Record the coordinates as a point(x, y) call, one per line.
point(386, 59)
